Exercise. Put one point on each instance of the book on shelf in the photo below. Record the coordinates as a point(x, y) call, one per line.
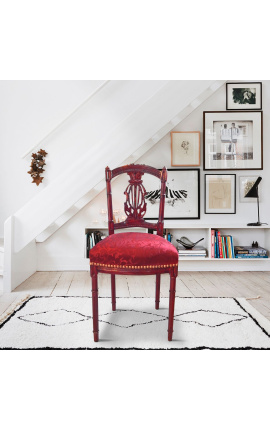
point(197, 251)
point(221, 245)
point(213, 244)
point(250, 252)
point(248, 256)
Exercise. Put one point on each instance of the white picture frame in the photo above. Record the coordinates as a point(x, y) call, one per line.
point(233, 140)
point(182, 195)
point(185, 148)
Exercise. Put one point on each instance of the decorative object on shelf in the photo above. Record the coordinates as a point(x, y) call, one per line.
point(37, 166)
point(245, 184)
point(185, 148)
point(233, 140)
point(255, 244)
point(182, 199)
point(253, 193)
point(220, 194)
point(186, 243)
point(243, 95)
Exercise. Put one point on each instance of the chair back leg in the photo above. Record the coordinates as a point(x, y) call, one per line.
point(173, 275)
point(94, 276)
point(113, 292)
point(157, 290)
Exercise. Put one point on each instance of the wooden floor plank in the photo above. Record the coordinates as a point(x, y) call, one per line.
point(136, 286)
point(77, 284)
point(192, 284)
point(181, 289)
point(260, 306)
point(63, 284)
point(245, 279)
point(149, 285)
point(227, 280)
point(121, 286)
point(210, 287)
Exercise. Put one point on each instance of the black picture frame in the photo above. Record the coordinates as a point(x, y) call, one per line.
point(219, 193)
point(243, 151)
point(190, 177)
point(244, 95)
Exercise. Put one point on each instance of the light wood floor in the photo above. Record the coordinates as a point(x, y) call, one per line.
point(189, 284)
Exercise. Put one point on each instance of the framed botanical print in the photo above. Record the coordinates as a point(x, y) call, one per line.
point(243, 95)
point(245, 184)
point(233, 140)
point(182, 194)
point(185, 148)
point(220, 196)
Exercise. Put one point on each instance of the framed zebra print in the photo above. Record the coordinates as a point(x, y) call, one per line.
point(182, 195)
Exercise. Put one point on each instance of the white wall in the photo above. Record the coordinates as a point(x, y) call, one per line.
point(28, 111)
point(65, 249)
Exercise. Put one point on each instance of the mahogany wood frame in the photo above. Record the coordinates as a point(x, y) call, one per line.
point(134, 219)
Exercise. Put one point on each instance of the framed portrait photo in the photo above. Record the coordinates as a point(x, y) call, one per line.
point(243, 95)
point(245, 184)
point(182, 199)
point(233, 140)
point(185, 148)
point(220, 196)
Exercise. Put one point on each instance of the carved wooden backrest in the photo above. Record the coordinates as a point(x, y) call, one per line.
point(135, 205)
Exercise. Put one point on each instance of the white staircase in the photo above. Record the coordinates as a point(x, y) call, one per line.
point(115, 126)
point(137, 152)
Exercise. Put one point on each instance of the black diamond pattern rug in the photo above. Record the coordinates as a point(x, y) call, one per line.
point(200, 323)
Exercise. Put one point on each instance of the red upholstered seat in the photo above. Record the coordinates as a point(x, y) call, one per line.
point(134, 250)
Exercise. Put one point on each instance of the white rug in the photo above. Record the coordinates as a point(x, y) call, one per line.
point(200, 323)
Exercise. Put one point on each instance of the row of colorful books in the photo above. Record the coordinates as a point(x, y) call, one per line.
point(221, 246)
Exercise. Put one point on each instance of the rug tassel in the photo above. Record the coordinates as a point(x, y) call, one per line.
point(253, 298)
point(7, 314)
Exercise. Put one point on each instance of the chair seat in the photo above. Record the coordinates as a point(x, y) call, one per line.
point(134, 251)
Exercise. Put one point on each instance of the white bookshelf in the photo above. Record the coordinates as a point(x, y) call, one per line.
point(242, 235)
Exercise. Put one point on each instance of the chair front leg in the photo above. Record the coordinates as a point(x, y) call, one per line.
point(113, 292)
point(157, 290)
point(171, 305)
point(94, 276)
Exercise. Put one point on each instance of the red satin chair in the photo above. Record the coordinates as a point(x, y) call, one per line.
point(134, 253)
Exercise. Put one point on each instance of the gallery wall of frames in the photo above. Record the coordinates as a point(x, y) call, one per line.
point(213, 159)
point(231, 141)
